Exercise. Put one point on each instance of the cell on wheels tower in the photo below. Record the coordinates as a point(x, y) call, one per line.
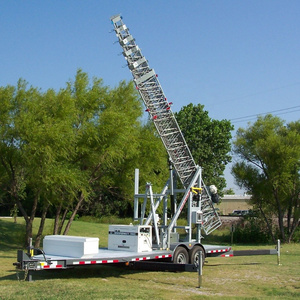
point(160, 112)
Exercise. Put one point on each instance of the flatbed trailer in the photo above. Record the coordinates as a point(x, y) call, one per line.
point(173, 260)
point(155, 260)
point(134, 245)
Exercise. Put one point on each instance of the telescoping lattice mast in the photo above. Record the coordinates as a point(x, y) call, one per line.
point(156, 103)
point(160, 112)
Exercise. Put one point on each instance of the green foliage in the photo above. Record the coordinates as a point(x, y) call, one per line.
point(251, 231)
point(208, 140)
point(269, 169)
point(296, 236)
point(229, 192)
point(80, 145)
point(69, 214)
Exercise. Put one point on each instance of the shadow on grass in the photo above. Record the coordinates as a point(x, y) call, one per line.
point(12, 235)
point(102, 272)
point(232, 264)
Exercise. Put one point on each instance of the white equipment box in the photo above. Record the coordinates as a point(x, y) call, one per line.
point(134, 238)
point(73, 246)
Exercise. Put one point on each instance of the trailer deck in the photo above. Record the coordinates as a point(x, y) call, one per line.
point(106, 256)
point(46, 261)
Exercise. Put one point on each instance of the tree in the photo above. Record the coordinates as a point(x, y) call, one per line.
point(208, 140)
point(269, 169)
point(59, 150)
point(229, 191)
point(111, 141)
point(36, 141)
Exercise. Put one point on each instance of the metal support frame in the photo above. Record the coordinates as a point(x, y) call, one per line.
point(163, 231)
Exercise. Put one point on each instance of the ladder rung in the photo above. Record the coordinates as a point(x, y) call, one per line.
point(169, 133)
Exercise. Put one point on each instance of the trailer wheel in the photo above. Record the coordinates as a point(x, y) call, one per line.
point(194, 255)
point(181, 256)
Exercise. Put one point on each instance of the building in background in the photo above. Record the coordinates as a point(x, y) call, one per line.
point(232, 203)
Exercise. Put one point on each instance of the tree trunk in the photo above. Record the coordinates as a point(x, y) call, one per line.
point(62, 221)
point(28, 221)
point(268, 225)
point(281, 225)
point(295, 222)
point(28, 234)
point(56, 220)
point(41, 227)
point(289, 217)
point(81, 198)
point(32, 216)
point(294, 227)
point(280, 216)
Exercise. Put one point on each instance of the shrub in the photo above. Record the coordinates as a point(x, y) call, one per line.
point(69, 214)
point(251, 230)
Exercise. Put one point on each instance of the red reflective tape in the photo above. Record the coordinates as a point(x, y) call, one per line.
point(104, 261)
point(218, 251)
point(115, 261)
point(46, 267)
point(82, 263)
point(58, 266)
point(163, 256)
point(93, 262)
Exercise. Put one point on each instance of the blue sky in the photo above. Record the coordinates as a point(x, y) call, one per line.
point(237, 58)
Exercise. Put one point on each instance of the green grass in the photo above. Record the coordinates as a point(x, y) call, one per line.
point(252, 277)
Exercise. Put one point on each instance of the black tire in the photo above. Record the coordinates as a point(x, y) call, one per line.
point(194, 255)
point(181, 256)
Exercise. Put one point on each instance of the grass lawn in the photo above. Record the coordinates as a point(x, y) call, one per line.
point(251, 277)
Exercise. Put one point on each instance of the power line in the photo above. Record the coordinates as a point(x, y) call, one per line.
point(253, 117)
point(270, 112)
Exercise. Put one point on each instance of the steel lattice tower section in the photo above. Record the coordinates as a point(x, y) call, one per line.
point(160, 112)
point(156, 103)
